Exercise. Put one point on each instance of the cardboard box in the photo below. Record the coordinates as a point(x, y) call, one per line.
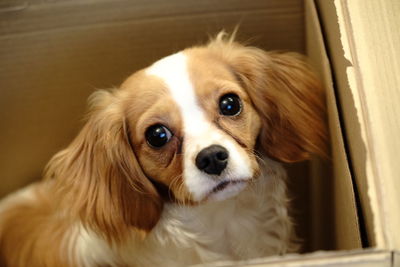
point(54, 53)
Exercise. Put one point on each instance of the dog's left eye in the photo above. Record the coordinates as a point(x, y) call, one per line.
point(158, 135)
point(230, 105)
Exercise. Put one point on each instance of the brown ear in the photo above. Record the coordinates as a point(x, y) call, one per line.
point(287, 96)
point(100, 179)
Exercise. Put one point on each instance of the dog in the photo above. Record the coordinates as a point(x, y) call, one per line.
point(181, 165)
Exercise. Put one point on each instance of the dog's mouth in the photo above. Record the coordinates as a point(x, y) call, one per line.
point(226, 189)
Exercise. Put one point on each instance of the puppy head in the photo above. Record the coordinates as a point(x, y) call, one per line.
point(188, 129)
point(202, 115)
point(195, 126)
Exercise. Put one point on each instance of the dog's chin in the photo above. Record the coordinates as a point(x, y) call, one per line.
point(225, 190)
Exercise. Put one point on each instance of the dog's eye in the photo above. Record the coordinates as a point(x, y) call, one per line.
point(230, 105)
point(158, 135)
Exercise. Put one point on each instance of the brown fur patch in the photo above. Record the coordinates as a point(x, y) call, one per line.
point(34, 232)
point(286, 95)
point(149, 103)
point(99, 177)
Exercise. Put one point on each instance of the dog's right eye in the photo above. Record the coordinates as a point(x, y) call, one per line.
point(230, 105)
point(158, 135)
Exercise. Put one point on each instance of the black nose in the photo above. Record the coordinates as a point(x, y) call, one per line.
point(212, 159)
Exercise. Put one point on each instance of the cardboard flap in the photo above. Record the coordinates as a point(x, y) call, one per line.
point(336, 217)
point(358, 258)
point(363, 38)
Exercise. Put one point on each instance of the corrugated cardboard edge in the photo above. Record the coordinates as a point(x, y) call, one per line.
point(364, 258)
point(396, 259)
point(336, 37)
point(344, 211)
point(365, 171)
point(373, 36)
point(365, 60)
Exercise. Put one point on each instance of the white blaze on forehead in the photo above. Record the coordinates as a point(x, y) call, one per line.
point(173, 71)
point(199, 132)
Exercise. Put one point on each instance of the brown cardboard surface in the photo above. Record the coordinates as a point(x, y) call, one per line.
point(396, 259)
point(335, 212)
point(358, 258)
point(373, 36)
point(362, 37)
point(40, 15)
point(340, 64)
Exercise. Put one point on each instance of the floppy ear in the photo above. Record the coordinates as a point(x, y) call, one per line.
point(287, 96)
point(99, 177)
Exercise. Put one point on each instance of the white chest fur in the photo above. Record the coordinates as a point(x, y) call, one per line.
point(253, 224)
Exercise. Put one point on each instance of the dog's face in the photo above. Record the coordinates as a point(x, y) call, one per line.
point(189, 127)
point(193, 126)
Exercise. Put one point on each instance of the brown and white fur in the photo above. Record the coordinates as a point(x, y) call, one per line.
point(111, 199)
